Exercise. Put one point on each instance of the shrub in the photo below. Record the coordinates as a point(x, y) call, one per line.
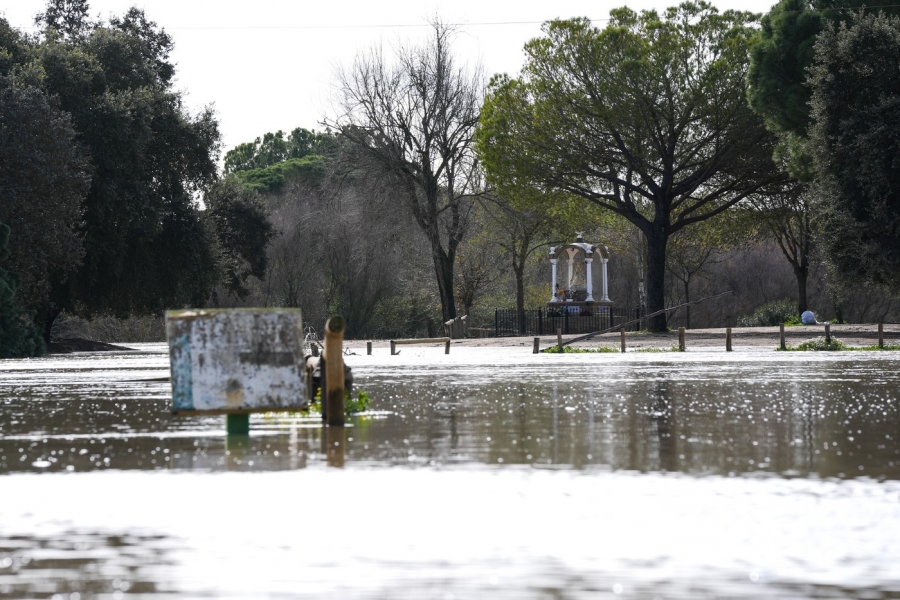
point(820, 345)
point(772, 313)
point(572, 350)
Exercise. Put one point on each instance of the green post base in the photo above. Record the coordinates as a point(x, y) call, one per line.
point(237, 424)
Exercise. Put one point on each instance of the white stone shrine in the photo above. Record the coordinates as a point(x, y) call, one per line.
point(572, 267)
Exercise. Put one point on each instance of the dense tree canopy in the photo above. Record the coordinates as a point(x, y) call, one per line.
point(145, 245)
point(855, 86)
point(44, 182)
point(242, 232)
point(640, 118)
point(18, 336)
point(781, 55)
point(273, 148)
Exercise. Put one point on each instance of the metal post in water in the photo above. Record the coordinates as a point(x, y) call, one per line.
point(369, 348)
point(334, 372)
point(537, 345)
point(728, 339)
point(828, 333)
point(237, 424)
point(559, 338)
point(781, 333)
point(681, 346)
point(622, 334)
point(881, 335)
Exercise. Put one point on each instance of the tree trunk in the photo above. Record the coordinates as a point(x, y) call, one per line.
point(520, 297)
point(520, 287)
point(657, 238)
point(443, 269)
point(44, 319)
point(687, 298)
point(802, 274)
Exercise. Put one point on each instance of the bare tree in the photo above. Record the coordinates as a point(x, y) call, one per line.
point(412, 120)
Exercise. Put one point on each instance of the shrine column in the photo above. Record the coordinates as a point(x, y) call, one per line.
point(571, 262)
point(590, 283)
point(553, 283)
point(605, 298)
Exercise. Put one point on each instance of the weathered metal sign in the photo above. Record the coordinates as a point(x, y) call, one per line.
point(233, 361)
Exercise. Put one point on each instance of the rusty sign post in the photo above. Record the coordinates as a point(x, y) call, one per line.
point(333, 393)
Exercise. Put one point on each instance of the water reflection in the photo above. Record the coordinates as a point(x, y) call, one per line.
point(702, 419)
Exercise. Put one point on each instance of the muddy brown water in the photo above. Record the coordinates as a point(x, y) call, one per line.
point(488, 472)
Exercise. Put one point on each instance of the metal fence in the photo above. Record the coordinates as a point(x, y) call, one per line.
point(511, 322)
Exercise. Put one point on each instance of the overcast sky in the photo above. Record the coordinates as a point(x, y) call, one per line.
point(269, 64)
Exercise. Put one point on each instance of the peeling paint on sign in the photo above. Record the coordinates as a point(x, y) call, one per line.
point(236, 360)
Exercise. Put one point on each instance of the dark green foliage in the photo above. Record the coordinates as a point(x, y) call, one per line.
point(18, 336)
point(819, 344)
point(146, 248)
point(68, 18)
point(772, 313)
point(309, 169)
point(242, 231)
point(574, 350)
point(855, 88)
point(43, 183)
point(784, 50)
point(272, 148)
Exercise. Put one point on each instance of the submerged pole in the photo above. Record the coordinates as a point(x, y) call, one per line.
point(537, 346)
point(622, 334)
point(559, 337)
point(728, 339)
point(881, 335)
point(828, 333)
point(781, 333)
point(369, 348)
point(681, 345)
point(334, 372)
point(237, 424)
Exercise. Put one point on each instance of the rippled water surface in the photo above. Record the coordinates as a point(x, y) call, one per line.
point(488, 472)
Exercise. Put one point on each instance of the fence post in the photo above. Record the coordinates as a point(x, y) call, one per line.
point(559, 337)
point(567, 319)
point(334, 373)
point(612, 317)
point(540, 322)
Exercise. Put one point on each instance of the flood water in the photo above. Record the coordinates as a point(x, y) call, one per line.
point(486, 472)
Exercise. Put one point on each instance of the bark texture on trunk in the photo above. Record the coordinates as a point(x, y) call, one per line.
point(656, 276)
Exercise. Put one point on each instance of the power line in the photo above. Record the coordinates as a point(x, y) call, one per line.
point(416, 25)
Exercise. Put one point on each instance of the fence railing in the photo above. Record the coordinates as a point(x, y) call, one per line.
point(511, 322)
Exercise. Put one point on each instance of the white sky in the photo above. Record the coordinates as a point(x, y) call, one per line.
point(270, 64)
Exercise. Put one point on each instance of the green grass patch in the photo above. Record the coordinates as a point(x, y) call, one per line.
point(877, 348)
point(352, 406)
point(819, 345)
point(572, 350)
point(656, 349)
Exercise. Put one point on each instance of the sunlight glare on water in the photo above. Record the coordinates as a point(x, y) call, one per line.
point(484, 472)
